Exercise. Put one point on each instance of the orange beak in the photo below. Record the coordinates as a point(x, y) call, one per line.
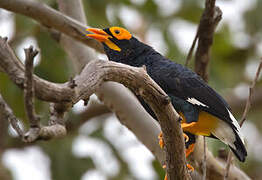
point(99, 34)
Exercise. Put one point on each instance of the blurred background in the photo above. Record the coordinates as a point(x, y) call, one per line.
point(104, 149)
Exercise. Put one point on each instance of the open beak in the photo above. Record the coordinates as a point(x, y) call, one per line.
point(99, 34)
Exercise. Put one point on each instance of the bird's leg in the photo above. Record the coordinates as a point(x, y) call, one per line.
point(189, 150)
point(161, 140)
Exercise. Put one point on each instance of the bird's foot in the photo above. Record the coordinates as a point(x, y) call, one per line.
point(190, 149)
point(161, 140)
point(186, 137)
point(190, 168)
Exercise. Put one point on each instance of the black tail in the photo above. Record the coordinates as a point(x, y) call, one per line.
point(240, 150)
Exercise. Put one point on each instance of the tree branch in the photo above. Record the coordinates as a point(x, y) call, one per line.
point(44, 90)
point(51, 18)
point(29, 89)
point(8, 114)
point(244, 116)
point(78, 53)
point(209, 20)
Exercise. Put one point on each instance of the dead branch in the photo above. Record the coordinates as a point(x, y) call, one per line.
point(251, 90)
point(29, 93)
point(209, 20)
point(78, 53)
point(51, 18)
point(244, 116)
point(8, 114)
point(44, 90)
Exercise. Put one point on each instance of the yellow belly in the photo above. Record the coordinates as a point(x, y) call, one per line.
point(204, 126)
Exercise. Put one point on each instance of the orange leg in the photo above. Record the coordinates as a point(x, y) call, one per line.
point(161, 140)
point(190, 149)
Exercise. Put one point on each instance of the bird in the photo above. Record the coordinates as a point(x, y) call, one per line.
point(203, 111)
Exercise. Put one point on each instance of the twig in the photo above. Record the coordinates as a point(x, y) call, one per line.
point(204, 160)
point(29, 93)
point(229, 160)
point(251, 89)
point(244, 116)
point(191, 50)
point(9, 115)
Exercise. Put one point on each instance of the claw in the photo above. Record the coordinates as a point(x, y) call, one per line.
point(186, 137)
point(190, 168)
point(161, 141)
point(165, 177)
point(190, 149)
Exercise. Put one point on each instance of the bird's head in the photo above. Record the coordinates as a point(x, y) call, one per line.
point(119, 44)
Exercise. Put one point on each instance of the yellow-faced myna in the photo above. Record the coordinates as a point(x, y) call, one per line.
point(203, 110)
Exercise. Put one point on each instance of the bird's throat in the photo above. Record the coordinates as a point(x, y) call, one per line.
point(112, 45)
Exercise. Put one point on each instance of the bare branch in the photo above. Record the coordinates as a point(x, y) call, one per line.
point(204, 159)
point(209, 20)
point(29, 93)
point(191, 50)
point(9, 115)
point(78, 53)
point(244, 116)
point(251, 89)
point(215, 168)
point(139, 82)
point(44, 90)
point(51, 18)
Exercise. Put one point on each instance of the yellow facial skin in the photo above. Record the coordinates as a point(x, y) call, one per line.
point(118, 32)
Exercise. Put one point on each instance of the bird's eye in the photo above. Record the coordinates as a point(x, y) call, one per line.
point(117, 31)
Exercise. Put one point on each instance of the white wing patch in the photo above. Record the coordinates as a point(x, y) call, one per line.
point(195, 102)
point(235, 123)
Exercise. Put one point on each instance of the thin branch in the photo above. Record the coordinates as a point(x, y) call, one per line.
point(204, 159)
point(51, 18)
point(209, 20)
point(29, 93)
point(251, 89)
point(244, 116)
point(215, 167)
point(9, 115)
point(229, 161)
point(191, 50)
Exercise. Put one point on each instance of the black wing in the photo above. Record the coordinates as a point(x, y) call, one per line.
point(187, 85)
